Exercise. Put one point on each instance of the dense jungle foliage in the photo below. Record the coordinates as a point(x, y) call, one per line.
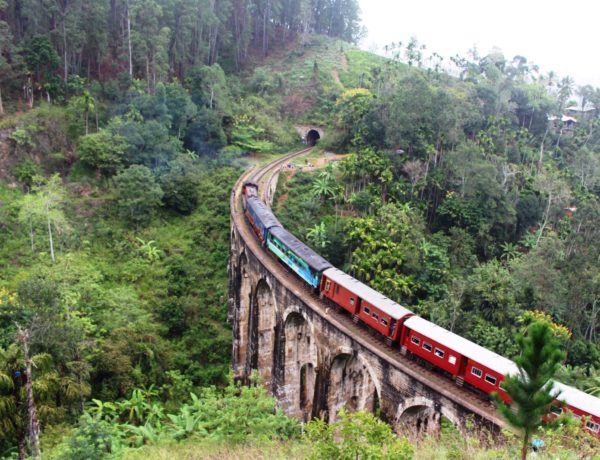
point(471, 199)
point(123, 126)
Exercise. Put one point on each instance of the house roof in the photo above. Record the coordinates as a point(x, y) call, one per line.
point(563, 118)
point(463, 346)
point(367, 293)
point(577, 108)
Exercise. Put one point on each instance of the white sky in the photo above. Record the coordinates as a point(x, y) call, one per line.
point(563, 36)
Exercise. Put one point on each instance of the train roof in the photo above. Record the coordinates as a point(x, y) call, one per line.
point(367, 293)
point(263, 212)
point(463, 346)
point(578, 399)
point(314, 260)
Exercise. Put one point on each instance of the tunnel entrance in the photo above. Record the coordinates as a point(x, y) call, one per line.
point(312, 137)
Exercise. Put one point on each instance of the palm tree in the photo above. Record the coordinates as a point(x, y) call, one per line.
point(327, 173)
point(322, 188)
point(11, 402)
point(318, 235)
point(89, 104)
point(510, 251)
point(15, 405)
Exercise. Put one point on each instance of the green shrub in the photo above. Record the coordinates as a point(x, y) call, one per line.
point(357, 435)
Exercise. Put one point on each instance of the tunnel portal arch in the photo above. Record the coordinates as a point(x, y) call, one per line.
point(312, 137)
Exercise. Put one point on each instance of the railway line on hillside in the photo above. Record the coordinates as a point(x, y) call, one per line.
point(266, 177)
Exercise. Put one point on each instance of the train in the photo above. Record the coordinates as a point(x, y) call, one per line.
point(465, 362)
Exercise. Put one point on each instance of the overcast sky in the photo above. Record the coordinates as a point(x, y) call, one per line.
point(563, 36)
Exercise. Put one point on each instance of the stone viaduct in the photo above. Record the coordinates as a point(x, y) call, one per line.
point(316, 361)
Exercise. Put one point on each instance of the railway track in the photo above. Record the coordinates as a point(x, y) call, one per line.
point(266, 177)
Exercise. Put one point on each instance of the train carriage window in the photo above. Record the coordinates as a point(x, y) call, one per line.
point(415, 340)
point(376, 316)
point(439, 353)
point(476, 372)
point(366, 310)
point(452, 359)
point(556, 410)
point(490, 379)
point(384, 322)
point(592, 426)
point(327, 285)
point(427, 346)
point(351, 300)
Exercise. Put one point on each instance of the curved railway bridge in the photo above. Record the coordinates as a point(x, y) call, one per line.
point(314, 359)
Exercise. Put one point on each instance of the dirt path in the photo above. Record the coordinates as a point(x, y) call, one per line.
point(283, 198)
point(336, 77)
point(344, 60)
point(335, 74)
point(323, 161)
point(318, 163)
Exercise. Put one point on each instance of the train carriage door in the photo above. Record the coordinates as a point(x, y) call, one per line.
point(462, 365)
point(393, 329)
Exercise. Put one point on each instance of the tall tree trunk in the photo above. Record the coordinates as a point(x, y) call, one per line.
point(64, 36)
point(31, 234)
point(19, 434)
point(1, 106)
point(21, 444)
point(525, 446)
point(546, 217)
point(264, 34)
point(541, 157)
point(129, 42)
point(34, 426)
point(148, 74)
point(50, 239)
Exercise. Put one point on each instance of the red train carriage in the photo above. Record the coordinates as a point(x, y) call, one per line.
point(461, 358)
point(580, 404)
point(363, 302)
point(456, 355)
point(488, 377)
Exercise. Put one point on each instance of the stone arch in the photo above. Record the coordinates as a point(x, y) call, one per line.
point(351, 386)
point(308, 378)
point(299, 365)
point(312, 137)
point(262, 332)
point(310, 133)
point(419, 416)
